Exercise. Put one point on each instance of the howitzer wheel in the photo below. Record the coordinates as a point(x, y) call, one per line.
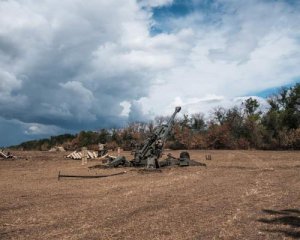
point(184, 159)
point(184, 154)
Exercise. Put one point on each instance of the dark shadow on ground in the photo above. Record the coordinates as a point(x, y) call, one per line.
point(285, 222)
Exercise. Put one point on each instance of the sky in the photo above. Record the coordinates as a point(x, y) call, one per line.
point(71, 65)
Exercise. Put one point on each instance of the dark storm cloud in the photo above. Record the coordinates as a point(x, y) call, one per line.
point(66, 64)
point(8, 49)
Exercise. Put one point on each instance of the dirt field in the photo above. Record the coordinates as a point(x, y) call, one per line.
point(240, 195)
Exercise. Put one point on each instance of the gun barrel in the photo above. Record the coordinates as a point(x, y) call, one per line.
point(177, 109)
point(171, 123)
point(152, 147)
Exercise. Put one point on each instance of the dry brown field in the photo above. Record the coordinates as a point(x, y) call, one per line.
point(239, 195)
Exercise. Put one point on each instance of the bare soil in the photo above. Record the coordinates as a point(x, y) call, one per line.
point(239, 195)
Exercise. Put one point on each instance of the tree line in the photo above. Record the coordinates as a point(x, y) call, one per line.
point(240, 127)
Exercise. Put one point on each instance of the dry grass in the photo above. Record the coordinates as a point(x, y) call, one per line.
point(240, 195)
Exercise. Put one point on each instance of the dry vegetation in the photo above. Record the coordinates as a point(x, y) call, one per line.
point(240, 195)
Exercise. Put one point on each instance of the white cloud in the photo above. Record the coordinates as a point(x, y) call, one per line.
point(154, 3)
point(248, 50)
point(126, 108)
point(77, 64)
point(40, 129)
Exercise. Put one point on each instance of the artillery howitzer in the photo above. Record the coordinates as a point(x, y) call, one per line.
point(151, 150)
point(148, 154)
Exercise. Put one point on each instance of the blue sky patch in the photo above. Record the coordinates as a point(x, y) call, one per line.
point(210, 10)
point(271, 91)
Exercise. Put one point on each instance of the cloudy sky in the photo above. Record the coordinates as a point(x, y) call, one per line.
point(69, 65)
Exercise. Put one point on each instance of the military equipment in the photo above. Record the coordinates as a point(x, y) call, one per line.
point(148, 154)
point(184, 159)
point(87, 176)
point(116, 162)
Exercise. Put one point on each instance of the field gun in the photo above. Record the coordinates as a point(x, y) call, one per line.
point(151, 150)
point(148, 153)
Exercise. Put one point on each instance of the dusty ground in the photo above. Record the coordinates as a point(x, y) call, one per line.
point(240, 195)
